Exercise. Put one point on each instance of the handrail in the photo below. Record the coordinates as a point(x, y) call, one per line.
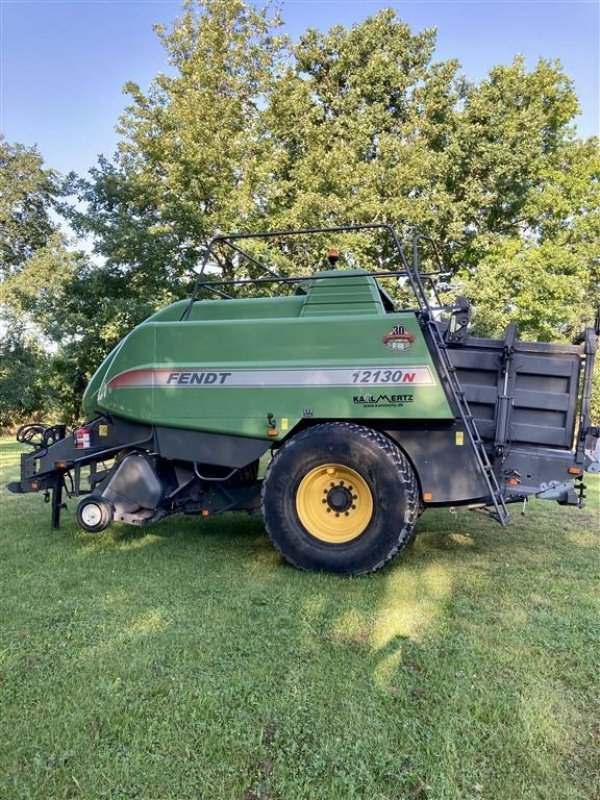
point(415, 277)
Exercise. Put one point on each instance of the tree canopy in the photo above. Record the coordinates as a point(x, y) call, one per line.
point(33, 262)
point(248, 131)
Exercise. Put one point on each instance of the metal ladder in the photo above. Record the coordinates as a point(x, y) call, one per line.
point(450, 377)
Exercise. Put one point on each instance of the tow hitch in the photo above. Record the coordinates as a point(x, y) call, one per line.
point(41, 437)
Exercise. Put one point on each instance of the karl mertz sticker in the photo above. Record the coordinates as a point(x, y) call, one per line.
point(382, 400)
point(283, 378)
point(398, 338)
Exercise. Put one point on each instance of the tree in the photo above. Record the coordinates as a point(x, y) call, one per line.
point(368, 128)
point(23, 365)
point(189, 160)
point(532, 255)
point(35, 259)
point(28, 193)
point(34, 262)
point(361, 119)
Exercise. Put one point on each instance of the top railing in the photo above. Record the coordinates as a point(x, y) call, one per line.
point(410, 271)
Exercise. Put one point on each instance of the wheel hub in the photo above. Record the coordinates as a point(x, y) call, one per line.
point(334, 503)
point(91, 514)
point(339, 499)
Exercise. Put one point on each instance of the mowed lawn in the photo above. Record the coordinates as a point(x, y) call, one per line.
point(191, 662)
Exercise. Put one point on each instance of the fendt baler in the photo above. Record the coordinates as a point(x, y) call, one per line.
point(367, 414)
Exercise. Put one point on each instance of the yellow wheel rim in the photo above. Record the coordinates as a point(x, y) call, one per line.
point(334, 503)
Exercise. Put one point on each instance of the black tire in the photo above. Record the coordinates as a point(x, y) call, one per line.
point(382, 466)
point(94, 513)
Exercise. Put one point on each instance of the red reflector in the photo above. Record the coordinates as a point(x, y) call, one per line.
point(82, 437)
point(575, 471)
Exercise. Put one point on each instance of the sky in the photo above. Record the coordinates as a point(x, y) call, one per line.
point(63, 63)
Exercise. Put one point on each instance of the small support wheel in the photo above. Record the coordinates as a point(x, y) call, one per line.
point(94, 513)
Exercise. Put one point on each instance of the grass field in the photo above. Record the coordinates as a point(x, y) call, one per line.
point(191, 662)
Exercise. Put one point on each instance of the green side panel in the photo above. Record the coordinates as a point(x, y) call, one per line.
point(90, 403)
point(91, 407)
point(245, 309)
point(232, 364)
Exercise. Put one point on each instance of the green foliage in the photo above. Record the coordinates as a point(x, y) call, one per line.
point(34, 260)
point(188, 161)
point(23, 367)
point(541, 287)
point(27, 194)
point(542, 270)
point(359, 122)
point(35, 265)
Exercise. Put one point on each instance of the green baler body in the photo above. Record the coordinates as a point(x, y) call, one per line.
point(189, 402)
point(229, 364)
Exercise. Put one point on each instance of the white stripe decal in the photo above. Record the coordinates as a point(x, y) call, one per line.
point(199, 378)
